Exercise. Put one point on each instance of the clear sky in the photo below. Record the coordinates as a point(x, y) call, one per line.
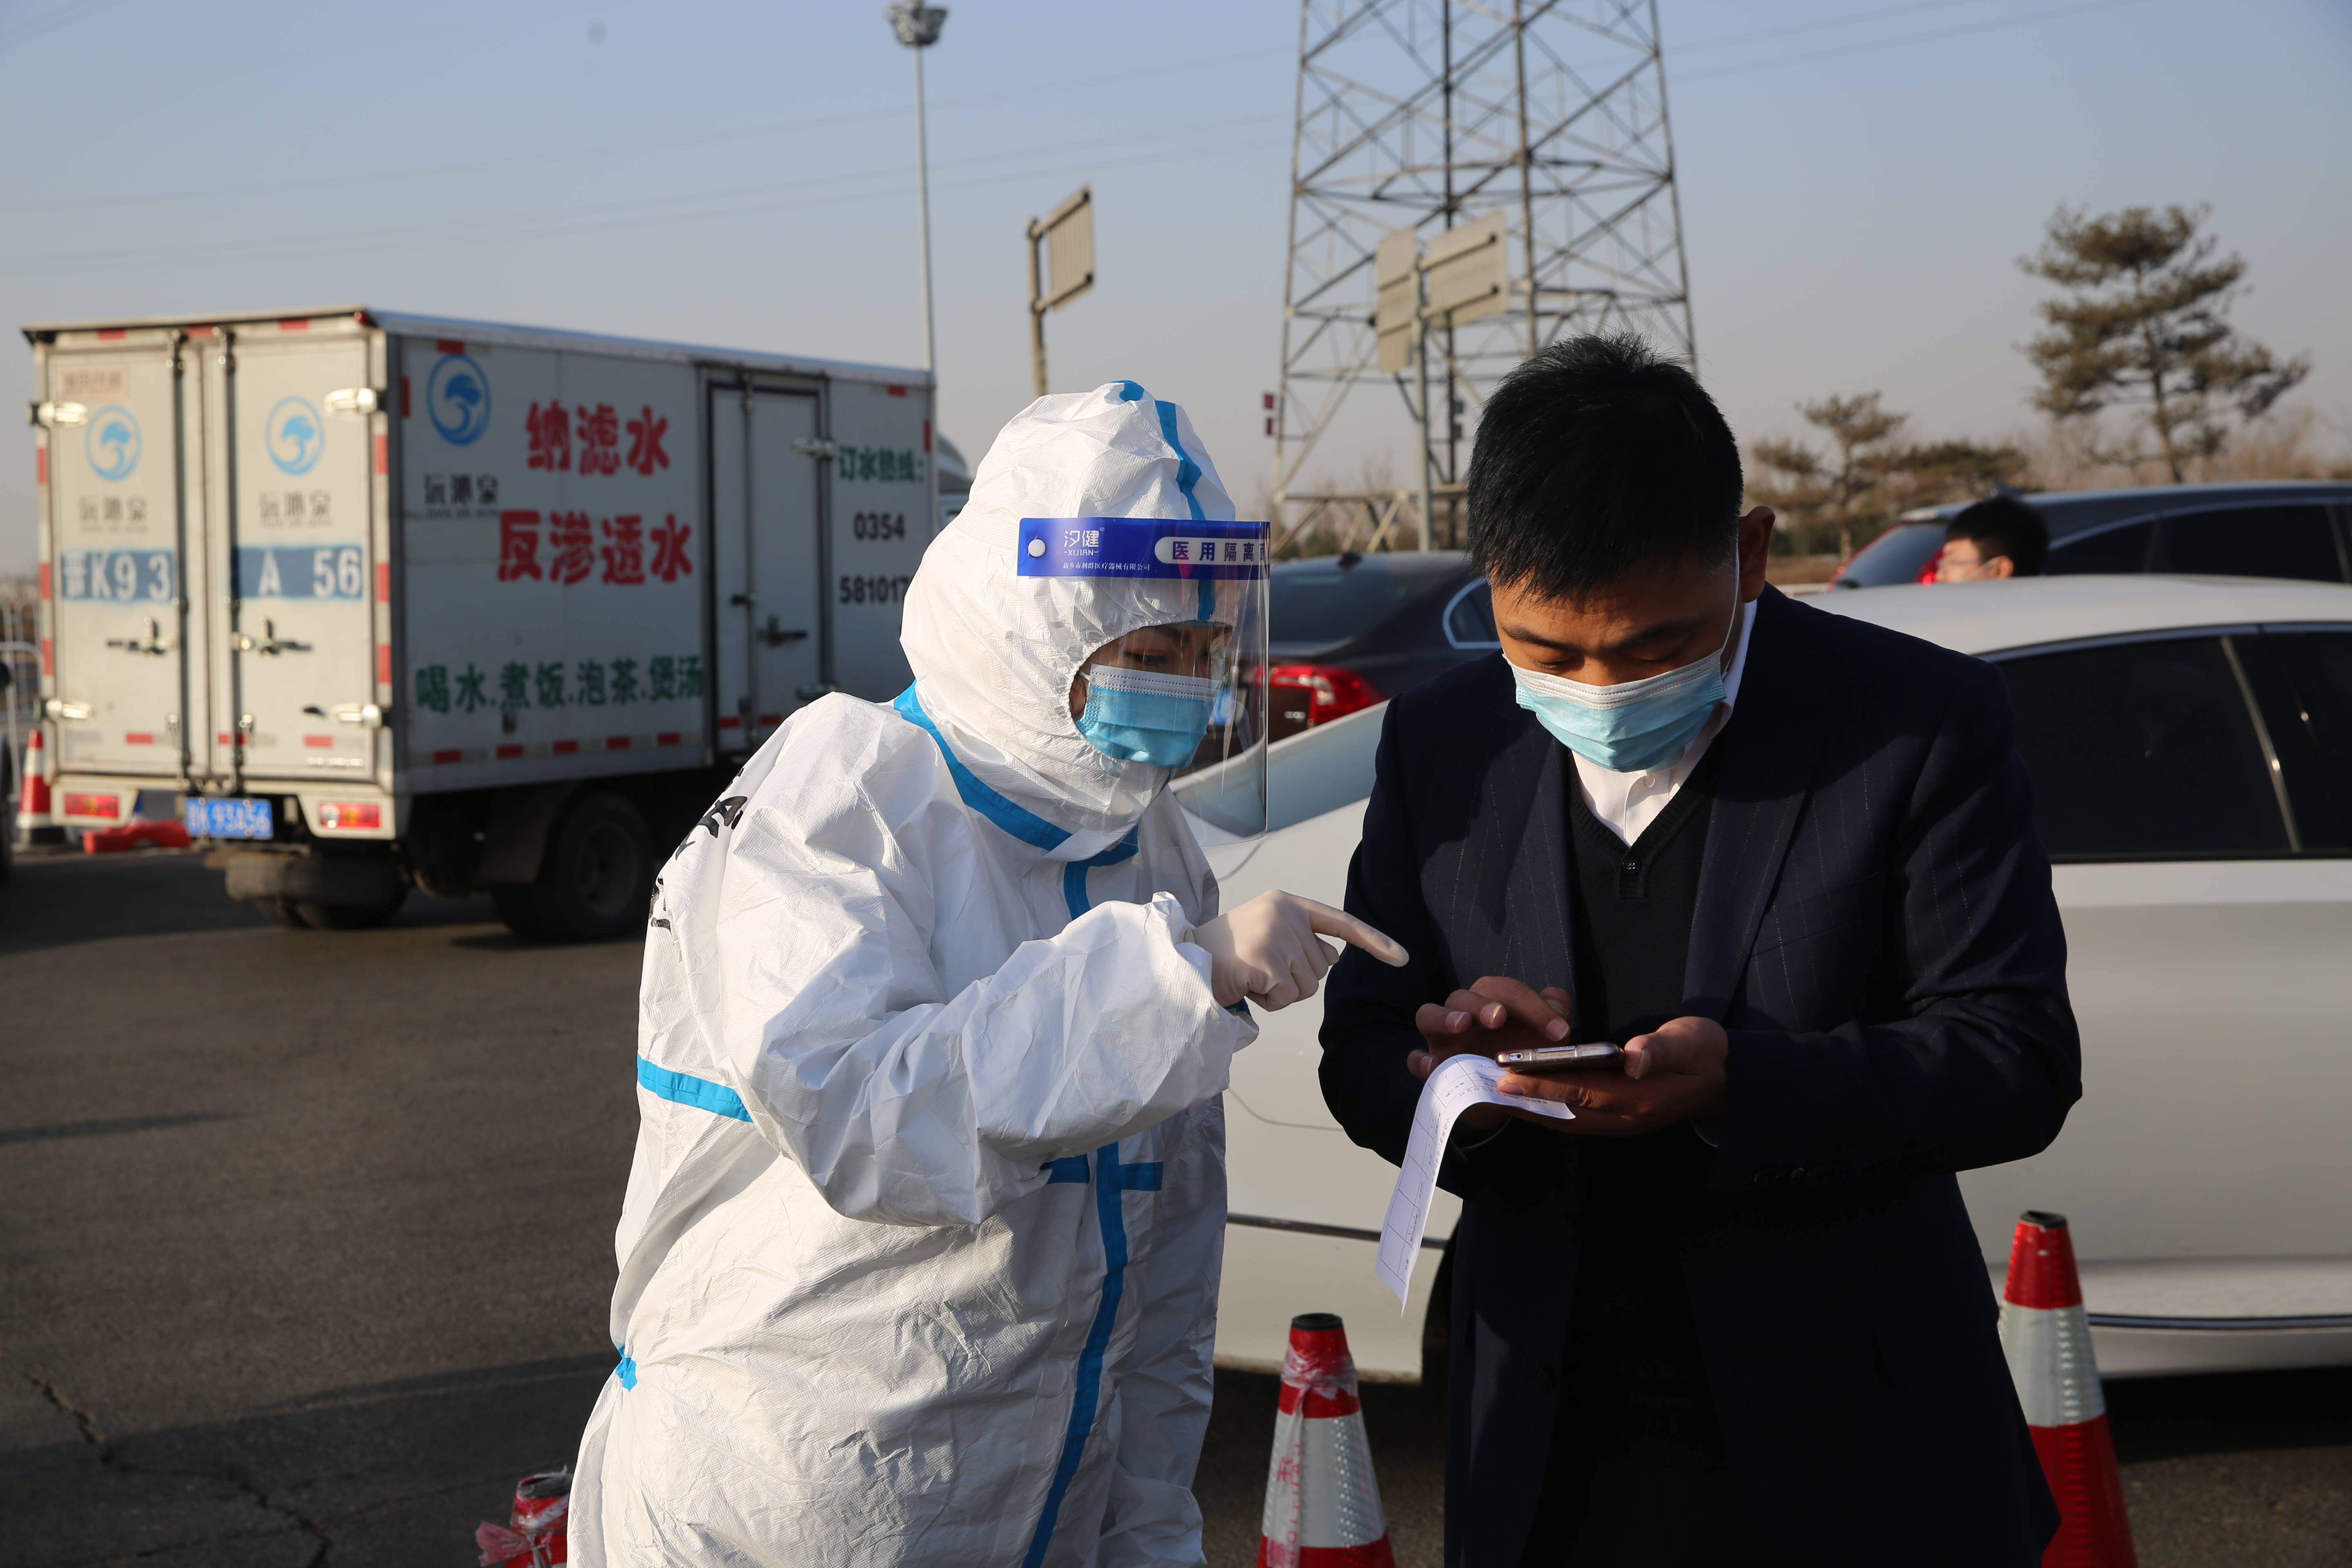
point(1857, 181)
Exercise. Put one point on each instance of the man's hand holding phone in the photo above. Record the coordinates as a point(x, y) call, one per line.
point(1492, 1015)
point(1672, 1074)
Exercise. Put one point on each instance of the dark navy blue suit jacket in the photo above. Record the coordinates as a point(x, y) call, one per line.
point(1875, 930)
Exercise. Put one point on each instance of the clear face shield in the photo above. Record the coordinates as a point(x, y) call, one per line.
point(1187, 692)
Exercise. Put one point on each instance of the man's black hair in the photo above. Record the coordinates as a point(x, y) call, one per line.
point(2004, 526)
point(1595, 457)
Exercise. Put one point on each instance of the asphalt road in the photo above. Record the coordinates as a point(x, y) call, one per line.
point(306, 1249)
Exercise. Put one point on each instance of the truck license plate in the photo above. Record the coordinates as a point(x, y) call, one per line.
point(230, 818)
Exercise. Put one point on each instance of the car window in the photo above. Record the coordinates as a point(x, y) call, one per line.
point(2318, 668)
point(1470, 621)
point(2142, 750)
point(1314, 602)
point(2114, 550)
point(2251, 542)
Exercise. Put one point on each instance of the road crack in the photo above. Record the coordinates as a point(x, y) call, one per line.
point(110, 1459)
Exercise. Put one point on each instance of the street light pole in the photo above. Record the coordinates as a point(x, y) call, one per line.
point(917, 27)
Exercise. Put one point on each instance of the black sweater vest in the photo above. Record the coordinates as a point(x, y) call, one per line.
point(1643, 1385)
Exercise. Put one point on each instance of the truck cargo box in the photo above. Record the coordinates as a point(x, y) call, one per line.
point(316, 571)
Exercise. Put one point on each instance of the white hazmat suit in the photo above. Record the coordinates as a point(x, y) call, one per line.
point(919, 1257)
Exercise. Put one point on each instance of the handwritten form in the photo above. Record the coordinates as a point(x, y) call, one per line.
point(1458, 1084)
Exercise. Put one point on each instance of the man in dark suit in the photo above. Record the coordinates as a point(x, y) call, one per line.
point(1733, 1312)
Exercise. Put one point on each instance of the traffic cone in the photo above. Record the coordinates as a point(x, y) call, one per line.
point(1322, 1505)
point(541, 1520)
point(33, 818)
point(2048, 1343)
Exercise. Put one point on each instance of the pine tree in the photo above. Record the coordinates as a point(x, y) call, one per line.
point(1870, 476)
point(2142, 327)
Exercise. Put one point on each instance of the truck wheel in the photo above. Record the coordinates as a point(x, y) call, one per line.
point(518, 907)
point(597, 873)
point(352, 917)
point(285, 911)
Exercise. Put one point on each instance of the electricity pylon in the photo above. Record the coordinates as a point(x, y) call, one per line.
point(1542, 126)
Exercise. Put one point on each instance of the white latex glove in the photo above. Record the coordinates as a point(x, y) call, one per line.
point(1267, 949)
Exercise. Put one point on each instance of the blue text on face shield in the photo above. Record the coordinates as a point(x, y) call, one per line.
point(1138, 716)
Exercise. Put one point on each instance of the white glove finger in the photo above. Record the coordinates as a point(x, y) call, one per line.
point(1304, 975)
point(1255, 978)
point(1325, 954)
point(1329, 921)
point(1275, 998)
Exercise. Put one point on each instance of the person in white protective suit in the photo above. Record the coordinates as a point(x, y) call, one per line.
point(920, 1257)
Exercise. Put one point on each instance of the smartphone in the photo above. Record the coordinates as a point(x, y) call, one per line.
point(1559, 1058)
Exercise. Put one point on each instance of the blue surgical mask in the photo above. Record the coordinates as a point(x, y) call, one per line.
point(1138, 716)
point(1635, 724)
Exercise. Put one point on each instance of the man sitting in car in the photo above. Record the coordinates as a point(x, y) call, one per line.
point(2003, 537)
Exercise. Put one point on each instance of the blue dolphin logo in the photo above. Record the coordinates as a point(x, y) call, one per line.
point(294, 436)
point(112, 445)
point(458, 399)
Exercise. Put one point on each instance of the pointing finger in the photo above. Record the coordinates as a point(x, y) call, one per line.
point(1325, 921)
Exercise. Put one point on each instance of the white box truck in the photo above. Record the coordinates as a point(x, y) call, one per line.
point(388, 600)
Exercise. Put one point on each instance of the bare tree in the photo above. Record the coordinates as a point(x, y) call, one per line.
point(2142, 326)
point(1869, 475)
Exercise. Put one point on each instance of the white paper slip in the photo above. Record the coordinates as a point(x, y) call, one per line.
point(1462, 1082)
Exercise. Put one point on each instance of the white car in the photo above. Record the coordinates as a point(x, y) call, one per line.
point(2190, 746)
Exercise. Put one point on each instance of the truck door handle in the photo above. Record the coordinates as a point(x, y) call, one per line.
point(366, 713)
point(776, 635)
point(151, 643)
point(268, 642)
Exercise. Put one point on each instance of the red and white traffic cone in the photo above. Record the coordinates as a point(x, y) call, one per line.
point(33, 818)
point(1322, 1505)
point(2048, 1343)
point(541, 1520)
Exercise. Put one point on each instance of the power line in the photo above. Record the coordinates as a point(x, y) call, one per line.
point(878, 184)
point(49, 22)
point(1993, 25)
point(623, 149)
point(1822, 23)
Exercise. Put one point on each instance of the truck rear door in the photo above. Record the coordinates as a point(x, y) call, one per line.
point(119, 634)
point(301, 636)
point(768, 572)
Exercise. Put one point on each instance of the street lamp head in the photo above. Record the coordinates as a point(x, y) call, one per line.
point(918, 25)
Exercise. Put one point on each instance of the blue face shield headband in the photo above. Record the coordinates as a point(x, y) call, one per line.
point(1635, 724)
point(1143, 716)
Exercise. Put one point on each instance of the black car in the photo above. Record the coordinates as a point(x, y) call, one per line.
point(1350, 630)
point(2287, 528)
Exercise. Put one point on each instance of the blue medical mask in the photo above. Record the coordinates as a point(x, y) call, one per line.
point(1138, 716)
point(1635, 724)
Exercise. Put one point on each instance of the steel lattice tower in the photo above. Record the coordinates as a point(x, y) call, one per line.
point(1425, 115)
